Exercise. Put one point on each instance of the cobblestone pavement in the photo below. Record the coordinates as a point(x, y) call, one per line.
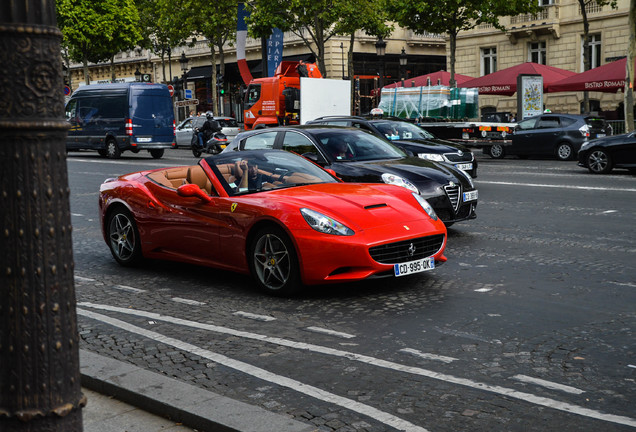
point(529, 326)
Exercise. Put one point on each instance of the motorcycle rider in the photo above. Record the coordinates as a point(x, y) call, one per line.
point(207, 130)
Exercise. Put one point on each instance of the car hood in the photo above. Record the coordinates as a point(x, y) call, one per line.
point(433, 144)
point(611, 140)
point(421, 172)
point(361, 206)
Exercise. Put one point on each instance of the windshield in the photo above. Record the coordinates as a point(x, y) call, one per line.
point(349, 145)
point(260, 170)
point(397, 130)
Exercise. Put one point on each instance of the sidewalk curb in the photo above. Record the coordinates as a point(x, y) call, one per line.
point(195, 407)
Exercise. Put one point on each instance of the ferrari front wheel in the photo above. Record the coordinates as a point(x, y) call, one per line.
point(273, 262)
point(123, 237)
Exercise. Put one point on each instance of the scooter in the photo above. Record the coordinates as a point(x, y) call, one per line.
point(215, 144)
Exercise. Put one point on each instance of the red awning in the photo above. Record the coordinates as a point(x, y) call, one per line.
point(607, 78)
point(504, 82)
point(422, 80)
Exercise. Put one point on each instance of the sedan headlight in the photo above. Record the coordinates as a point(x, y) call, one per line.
point(431, 156)
point(586, 145)
point(399, 181)
point(426, 206)
point(325, 224)
point(468, 177)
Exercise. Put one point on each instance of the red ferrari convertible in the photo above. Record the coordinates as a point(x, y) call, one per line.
point(273, 214)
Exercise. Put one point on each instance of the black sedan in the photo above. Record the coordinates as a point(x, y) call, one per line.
point(602, 155)
point(359, 156)
point(410, 137)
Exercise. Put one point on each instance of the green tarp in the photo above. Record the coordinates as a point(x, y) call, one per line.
point(430, 102)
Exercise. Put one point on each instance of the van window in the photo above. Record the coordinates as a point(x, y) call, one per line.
point(152, 107)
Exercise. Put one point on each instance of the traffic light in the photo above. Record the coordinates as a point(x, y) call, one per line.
point(219, 84)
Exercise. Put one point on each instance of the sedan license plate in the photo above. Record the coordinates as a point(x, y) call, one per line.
point(416, 266)
point(147, 139)
point(600, 135)
point(471, 195)
point(464, 166)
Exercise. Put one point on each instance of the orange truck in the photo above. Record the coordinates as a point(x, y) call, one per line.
point(275, 101)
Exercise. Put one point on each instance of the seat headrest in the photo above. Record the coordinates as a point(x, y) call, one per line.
point(197, 176)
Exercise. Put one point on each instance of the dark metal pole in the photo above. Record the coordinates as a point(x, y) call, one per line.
point(40, 387)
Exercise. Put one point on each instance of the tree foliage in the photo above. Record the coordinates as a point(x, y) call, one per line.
point(96, 30)
point(452, 16)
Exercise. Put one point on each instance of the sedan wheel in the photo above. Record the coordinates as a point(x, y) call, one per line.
point(496, 151)
point(123, 237)
point(599, 162)
point(273, 262)
point(565, 152)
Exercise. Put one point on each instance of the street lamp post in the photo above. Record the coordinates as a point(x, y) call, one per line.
point(380, 50)
point(137, 75)
point(183, 62)
point(343, 62)
point(403, 61)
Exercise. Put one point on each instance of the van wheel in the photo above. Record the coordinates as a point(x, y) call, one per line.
point(112, 149)
point(565, 152)
point(156, 153)
point(496, 151)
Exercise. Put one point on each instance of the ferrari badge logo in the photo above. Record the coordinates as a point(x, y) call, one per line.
point(233, 207)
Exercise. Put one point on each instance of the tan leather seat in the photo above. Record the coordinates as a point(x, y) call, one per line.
point(197, 176)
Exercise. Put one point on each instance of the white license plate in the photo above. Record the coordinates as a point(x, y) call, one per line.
point(465, 135)
point(416, 266)
point(144, 139)
point(471, 196)
point(600, 135)
point(465, 166)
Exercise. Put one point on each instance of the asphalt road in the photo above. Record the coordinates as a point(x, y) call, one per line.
point(529, 326)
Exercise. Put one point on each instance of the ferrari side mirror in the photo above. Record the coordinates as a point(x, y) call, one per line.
point(192, 190)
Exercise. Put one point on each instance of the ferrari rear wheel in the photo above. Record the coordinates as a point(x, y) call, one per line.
point(273, 262)
point(123, 237)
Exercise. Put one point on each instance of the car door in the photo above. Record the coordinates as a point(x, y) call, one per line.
point(526, 134)
point(547, 136)
point(298, 143)
point(625, 153)
point(184, 133)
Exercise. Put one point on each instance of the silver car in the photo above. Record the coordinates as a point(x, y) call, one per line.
point(184, 130)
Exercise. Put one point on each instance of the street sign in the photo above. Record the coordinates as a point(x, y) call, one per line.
point(171, 89)
point(67, 90)
point(186, 102)
point(188, 93)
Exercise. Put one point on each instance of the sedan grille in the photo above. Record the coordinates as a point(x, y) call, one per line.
point(408, 250)
point(459, 157)
point(453, 191)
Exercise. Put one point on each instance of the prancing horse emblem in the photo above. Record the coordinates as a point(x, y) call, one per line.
point(411, 250)
point(233, 207)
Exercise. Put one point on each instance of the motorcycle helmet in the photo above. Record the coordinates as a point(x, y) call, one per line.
point(209, 115)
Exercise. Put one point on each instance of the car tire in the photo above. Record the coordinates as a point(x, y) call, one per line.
point(123, 237)
point(496, 151)
point(599, 162)
point(565, 152)
point(273, 262)
point(112, 149)
point(156, 153)
point(102, 153)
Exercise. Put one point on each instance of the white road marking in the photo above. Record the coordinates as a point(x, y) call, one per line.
point(624, 284)
point(482, 290)
point(504, 391)
point(187, 301)
point(631, 366)
point(560, 186)
point(330, 332)
point(263, 374)
point(83, 279)
point(547, 384)
point(254, 316)
point(77, 214)
point(128, 288)
point(428, 356)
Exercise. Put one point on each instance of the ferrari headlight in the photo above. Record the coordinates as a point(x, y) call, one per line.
point(426, 206)
point(399, 181)
point(431, 156)
point(325, 224)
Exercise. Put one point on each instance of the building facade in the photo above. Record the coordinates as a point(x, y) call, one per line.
point(553, 37)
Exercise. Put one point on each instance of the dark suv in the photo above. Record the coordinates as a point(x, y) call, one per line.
point(410, 137)
point(555, 135)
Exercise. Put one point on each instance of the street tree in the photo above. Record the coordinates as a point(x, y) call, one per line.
point(452, 16)
point(313, 22)
point(216, 22)
point(631, 56)
point(96, 30)
point(583, 6)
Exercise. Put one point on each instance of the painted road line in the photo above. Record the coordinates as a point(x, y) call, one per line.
point(428, 356)
point(315, 392)
point(330, 332)
point(615, 189)
point(83, 279)
point(547, 384)
point(187, 301)
point(503, 391)
point(128, 288)
point(254, 316)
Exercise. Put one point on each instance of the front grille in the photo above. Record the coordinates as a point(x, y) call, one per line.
point(408, 250)
point(453, 191)
point(456, 157)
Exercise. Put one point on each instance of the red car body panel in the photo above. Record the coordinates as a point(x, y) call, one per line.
point(217, 233)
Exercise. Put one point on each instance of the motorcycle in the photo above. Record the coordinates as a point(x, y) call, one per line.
point(213, 145)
